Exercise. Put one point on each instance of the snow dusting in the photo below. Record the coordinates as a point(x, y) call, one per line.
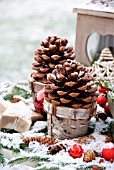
point(62, 160)
point(98, 5)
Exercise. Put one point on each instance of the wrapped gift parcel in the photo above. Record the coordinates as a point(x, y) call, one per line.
point(3, 107)
point(17, 116)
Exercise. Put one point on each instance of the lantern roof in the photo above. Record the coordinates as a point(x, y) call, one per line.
point(96, 5)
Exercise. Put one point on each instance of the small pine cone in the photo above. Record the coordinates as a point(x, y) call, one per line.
point(89, 156)
point(27, 140)
point(84, 139)
point(42, 140)
point(71, 85)
point(56, 148)
point(15, 100)
point(109, 139)
point(45, 140)
point(53, 51)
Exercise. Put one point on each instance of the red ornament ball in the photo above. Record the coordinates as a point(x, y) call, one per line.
point(38, 101)
point(107, 109)
point(95, 167)
point(38, 105)
point(108, 154)
point(40, 95)
point(101, 160)
point(76, 151)
point(102, 89)
point(101, 100)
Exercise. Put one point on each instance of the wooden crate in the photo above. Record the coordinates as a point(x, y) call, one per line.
point(67, 123)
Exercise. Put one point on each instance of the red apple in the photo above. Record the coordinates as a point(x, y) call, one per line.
point(107, 109)
point(101, 100)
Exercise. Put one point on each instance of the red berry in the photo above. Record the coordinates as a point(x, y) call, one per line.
point(101, 160)
point(101, 100)
point(95, 167)
point(102, 89)
point(107, 109)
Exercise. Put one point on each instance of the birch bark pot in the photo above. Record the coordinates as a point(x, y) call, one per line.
point(34, 85)
point(111, 103)
point(67, 123)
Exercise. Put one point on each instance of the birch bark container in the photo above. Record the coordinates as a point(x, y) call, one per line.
point(111, 103)
point(34, 85)
point(67, 123)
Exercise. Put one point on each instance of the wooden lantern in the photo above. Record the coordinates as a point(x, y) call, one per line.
point(89, 22)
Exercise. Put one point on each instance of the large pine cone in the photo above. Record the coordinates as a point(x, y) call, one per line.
point(71, 86)
point(53, 51)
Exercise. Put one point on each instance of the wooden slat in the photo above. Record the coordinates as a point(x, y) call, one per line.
point(66, 112)
point(94, 12)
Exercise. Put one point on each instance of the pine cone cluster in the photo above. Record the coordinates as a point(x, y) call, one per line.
point(42, 140)
point(53, 51)
point(71, 85)
point(56, 148)
point(84, 139)
point(108, 139)
point(89, 155)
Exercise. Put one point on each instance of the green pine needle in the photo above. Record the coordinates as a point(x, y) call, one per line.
point(109, 129)
point(18, 161)
point(106, 84)
point(23, 159)
point(16, 151)
point(0, 145)
point(11, 149)
point(23, 146)
point(44, 130)
point(17, 91)
point(2, 159)
point(54, 168)
point(97, 83)
point(100, 167)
